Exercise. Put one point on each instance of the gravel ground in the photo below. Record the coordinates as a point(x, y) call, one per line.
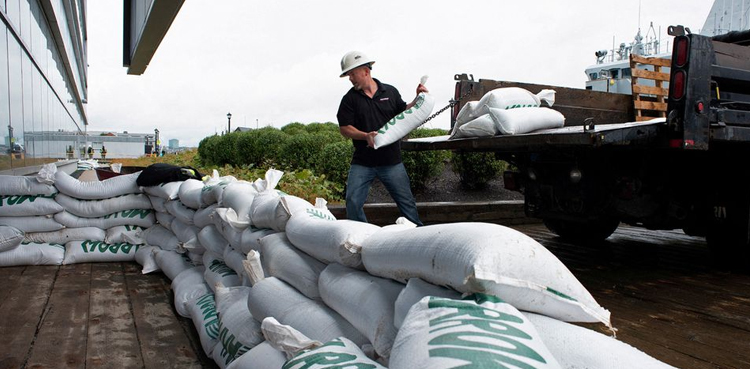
point(447, 187)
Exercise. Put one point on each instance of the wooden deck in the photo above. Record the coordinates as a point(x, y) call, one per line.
point(665, 297)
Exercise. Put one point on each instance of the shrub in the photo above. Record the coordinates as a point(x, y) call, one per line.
point(322, 127)
point(293, 128)
point(301, 150)
point(207, 150)
point(226, 149)
point(305, 184)
point(334, 160)
point(259, 147)
point(424, 165)
point(476, 169)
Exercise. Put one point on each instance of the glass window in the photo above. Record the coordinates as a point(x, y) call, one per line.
point(24, 15)
point(13, 10)
point(626, 73)
point(28, 96)
point(4, 99)
point(15, 89)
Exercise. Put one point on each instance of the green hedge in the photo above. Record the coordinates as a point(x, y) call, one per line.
point(259, 147)
point(476, 169)
point(334, 160)
point(424, 165)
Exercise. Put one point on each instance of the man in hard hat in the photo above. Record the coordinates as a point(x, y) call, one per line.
point(365, 108)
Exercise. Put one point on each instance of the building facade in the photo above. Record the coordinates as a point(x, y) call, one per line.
point(43, 78)
point(174, 144)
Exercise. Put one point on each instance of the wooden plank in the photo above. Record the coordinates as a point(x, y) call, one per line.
point(650, 105)
point(650, 61)
point(112, 339)
point(647, 74)
point(730, 55)
point(61, 341)
point(163, 342)
point(650, 90)
point(23, 311)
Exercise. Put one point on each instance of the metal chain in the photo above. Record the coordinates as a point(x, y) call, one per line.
point(451, 103)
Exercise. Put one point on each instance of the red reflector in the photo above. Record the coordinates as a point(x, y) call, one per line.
point(675, 144)
point(689, 143)
point(677, 87)
point(681, 51)
point(699, 107)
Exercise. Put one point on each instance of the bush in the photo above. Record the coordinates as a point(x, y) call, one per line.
point(207, 150)
point(322, 127)
point(305, 184)
point(301, 150)
point(294, 128)
point(226, 150)
point(259, 147)
point(476, 169)
point(334, 160)
point(424, 165)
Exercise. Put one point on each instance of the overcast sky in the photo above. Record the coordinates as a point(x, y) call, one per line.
point(276, 62)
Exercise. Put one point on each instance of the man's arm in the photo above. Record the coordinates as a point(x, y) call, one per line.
point(355, 134)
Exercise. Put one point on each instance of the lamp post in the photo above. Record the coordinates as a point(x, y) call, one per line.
point(229, 122)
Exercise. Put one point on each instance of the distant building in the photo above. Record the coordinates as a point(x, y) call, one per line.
point(174, 144)
point(119, 145)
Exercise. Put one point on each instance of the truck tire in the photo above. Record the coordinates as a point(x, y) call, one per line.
point(728, 241)
point(583, 231)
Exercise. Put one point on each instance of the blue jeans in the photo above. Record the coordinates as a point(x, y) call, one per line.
point(395, 180)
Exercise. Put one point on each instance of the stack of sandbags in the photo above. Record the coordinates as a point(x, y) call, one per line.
point(507, 111)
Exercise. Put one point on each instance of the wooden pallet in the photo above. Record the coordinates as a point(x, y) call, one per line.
point(649, 102)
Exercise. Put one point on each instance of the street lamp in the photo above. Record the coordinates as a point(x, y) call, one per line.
point(229, 122)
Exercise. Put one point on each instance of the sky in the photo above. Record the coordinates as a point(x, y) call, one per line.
point(275, 62)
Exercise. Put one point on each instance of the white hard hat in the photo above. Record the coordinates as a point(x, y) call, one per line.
point(353, 59)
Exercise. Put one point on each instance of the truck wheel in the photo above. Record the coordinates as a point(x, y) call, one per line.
point(729, 245)
point(583, 231)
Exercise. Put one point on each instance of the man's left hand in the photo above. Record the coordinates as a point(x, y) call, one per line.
point(421, 89)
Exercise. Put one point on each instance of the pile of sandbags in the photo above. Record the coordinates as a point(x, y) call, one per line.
point(507, 111)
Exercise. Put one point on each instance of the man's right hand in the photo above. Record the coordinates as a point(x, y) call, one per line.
point(370, 137)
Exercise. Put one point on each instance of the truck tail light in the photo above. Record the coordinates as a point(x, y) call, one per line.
point(681, 47)
point(677, 85)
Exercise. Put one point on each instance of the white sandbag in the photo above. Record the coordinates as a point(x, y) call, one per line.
point(231, 234)
point(187, 286)
point(10, 238)
point(213, 189)
point(98, 251)
point(285, 338)
point(190, 193)
point(95, 190)
point(238, 330)
point(367, 302)
point(100, 208)
point(125, 233)
point(525, 120)
point(160, 236)
point(262, 356)
point(168, 191)
point(217, 272)
point(157, 203)
point(483, 126)
point(330, 241)
point(165, 220)
point(204, 217)
point(233, 259)
point(33, 254)
point(66, 235)
point(203, 313)
point(282, 260)
point(194, 246)
point(212, 240)
point(577, 347)
point(479, 332)
point(263, 210)
point(172, 263)
point(415, 290)
point(195, 258)
point(180, 211)
point(42, 223)
point(24, 185)
point(137, 217)
point(405, 122)
point(293, 204)
point(253, 268)
point(28, 205)
point(146, 257)
point(508, 98)
point(239, 196)
point(273, 297)
point(337, 353)
point(465, 115)
point(184, 232)
point(250, 238)
point(487, 258)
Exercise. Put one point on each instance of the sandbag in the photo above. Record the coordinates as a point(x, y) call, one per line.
point(98, 251)
point(217, 272)
point(466, 114)
point(239, 196)
point(263, 209)
point(125, 233)
point(576, 347)
point(25, 185)
point(525, 120)
point(233, 259)
point(187, 286)
point(262, 356)
point(172, 263)
point(483, 126)
point(508, 98)
point(487, 258)
point(66, 235)
point(159, 173)
point(146, 257)
point(137, 217)
point(338, 353)
point(204, 217)
point(367, 302)
point(160, 236)
point(203, 313)
point(330, 241)
point(10, 238)
point(282, 260)
point(96, 190)
point(213, 240)
point(28, 205)
point(180, 211)
point(167, 191)
point(250, 238)
point(33, 254)
point(238, 330)
point(165, 220)
point(42, 223)
point(184, 232)
point(415, 290)
point(100, 208)
point(405, 122)
point(157, 203)
point(273, 297)
point(190, 193)
point(213, 189)
point(290, 205)
point(480, 331)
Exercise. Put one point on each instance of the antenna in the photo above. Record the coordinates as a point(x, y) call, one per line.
point(639, 15)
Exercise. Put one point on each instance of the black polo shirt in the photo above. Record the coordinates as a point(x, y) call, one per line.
point(370, 114)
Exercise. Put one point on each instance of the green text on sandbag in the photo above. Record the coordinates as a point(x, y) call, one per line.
point(103, 247)
point(9, 200)
point(133, 228)
point(417, 105)
point(320, 356)
point(207, 304)
point(142, 213)
point(479, 359)
point(315, 213)
point(233, 347)
point(521, 106)
point(220, 268)
point(558, 293)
